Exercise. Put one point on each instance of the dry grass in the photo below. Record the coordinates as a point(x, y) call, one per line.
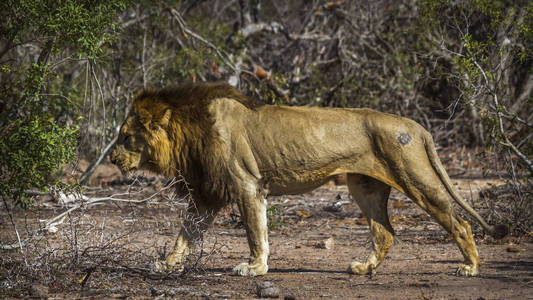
point(97, 246)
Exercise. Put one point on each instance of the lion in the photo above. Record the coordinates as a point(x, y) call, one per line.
point(230, 148)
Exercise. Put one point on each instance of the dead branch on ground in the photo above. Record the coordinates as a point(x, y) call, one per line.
point(51, 223)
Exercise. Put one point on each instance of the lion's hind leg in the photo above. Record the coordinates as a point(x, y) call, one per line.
point(442, 212)
point(372, 195)
point(425, 188)
point(465, 239)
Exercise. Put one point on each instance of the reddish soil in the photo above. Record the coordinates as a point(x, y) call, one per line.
point(421, 264)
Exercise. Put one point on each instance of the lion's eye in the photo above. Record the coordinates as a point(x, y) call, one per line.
point(128, 141)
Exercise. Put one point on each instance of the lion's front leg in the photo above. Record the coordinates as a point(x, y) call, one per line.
point(195, 224)
point(175, 261)
point(253, 215)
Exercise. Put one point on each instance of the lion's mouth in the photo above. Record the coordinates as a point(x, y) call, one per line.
point(127, 166)
point(127, 171)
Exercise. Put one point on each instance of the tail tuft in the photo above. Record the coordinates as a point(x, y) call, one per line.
point(499, 231)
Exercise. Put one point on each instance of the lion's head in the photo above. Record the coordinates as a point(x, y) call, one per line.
point(143, 141)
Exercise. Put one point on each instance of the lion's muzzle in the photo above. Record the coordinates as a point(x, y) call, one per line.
point(127, 161)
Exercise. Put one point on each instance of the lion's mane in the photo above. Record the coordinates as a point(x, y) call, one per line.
point(192, 149)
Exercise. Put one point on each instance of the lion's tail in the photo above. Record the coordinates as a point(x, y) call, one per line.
point(497, 231)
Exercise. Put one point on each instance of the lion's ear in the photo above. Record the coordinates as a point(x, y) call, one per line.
point(165, 118)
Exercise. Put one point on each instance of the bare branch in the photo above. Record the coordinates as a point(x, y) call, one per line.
point(507, 142)
point(143, 58)
point(186, 32)
point(54, 221)
point(14, 245)
point(96, 162)
point(275, 28)
point(253, 28)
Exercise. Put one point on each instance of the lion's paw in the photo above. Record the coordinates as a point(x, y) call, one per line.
point(358, 268)
point(246, 269)
point(164, 267)
point(467, 270)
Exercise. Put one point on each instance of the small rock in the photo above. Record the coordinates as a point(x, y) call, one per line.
point(39, 290)
point(337, 206)
point(263, 285)
point(156, 291)
point(267, 290)
point(52, 229)
point(326, 244)
point(270, 292)
point(515, 249)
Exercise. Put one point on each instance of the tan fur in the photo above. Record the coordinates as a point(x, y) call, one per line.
point(229, 148)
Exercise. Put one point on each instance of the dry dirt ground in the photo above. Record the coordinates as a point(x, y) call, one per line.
point(105, 251)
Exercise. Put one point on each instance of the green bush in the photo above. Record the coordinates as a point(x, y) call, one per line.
point(29, 152)
point(38, 124)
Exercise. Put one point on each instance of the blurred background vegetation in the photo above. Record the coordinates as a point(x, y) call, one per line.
point(463, 69)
